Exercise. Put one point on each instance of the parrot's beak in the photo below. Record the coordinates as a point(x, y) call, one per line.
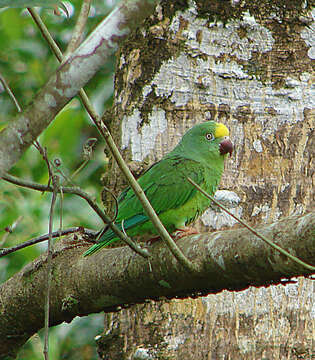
point(226, 146)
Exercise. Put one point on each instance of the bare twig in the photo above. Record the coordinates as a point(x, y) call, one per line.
point(105, 189)
point(61, 209)
point(269, 242)
point(10, 93)
point(55, 182)
point(87, 154)
point(43, 152)
point(56, 164)
point(59, 233)
point(79, 27)
point(43, 29)
point(79, 169)
point(51, 164)
point(86, 197)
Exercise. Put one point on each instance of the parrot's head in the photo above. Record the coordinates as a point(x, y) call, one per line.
point(208, 140)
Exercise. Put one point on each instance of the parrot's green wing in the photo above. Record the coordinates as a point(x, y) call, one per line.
point(165, 185)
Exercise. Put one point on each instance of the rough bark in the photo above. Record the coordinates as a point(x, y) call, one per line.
point(247, 64)
point(117, 278)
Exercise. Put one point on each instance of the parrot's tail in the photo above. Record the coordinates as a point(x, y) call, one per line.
point(109, 236)
point(93, 249)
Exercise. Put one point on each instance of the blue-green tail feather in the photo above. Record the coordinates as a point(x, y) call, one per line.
point(98, 246)
point(109, 236)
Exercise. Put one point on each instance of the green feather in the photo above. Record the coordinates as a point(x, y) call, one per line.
point(165, 184)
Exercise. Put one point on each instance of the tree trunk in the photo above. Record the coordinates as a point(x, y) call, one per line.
point(247, 64)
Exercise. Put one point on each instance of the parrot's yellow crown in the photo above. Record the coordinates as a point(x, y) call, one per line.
point(221, 130)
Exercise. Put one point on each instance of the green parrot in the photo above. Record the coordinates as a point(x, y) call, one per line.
point(200, 156)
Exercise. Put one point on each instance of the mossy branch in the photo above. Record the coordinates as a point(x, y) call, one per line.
point(115, 278)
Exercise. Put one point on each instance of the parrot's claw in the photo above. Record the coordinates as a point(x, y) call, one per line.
point(153, 240)
point(181, 232)
point(176, 235)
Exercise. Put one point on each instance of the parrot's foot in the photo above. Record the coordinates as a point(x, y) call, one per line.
point(180, 233)
point(176, 235)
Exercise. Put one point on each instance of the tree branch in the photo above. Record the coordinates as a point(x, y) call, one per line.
point(10, 93)
point(79, 27)
point(69, 78)
point(59, 233)
point(55, 182)
point(116, 278)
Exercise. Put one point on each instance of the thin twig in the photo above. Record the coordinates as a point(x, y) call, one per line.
point(105, 189)
point(79, 27)
point(43, 152)
point(59, 233)
point(87, 155)
point(51, 164)
point(255, 232)
point(43, 29)
point(55, 182)
point(86, 197)
point(61, 210)
point(79, 169)
point(10, 93)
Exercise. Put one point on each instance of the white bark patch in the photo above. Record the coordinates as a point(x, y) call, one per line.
point(217, 39)
point(50, 100)
point(308, 35)
point(257, 146)
point(220, 262)
point(194, 78)
point(173, 342)
point(266, 211)
point(261, 208)
point(179, 80)
point(252, 301)
point(217, 218)
point(237, 137)
point(142, 140)
point(143, 354)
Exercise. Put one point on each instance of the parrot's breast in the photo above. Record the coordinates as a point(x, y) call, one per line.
point(188, 212)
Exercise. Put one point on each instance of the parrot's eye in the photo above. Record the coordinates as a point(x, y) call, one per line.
point(209, 136)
